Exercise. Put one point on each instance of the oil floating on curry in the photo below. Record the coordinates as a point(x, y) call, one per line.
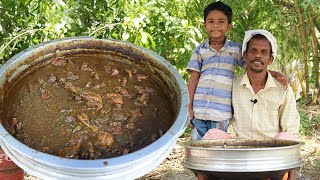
point(87, 107)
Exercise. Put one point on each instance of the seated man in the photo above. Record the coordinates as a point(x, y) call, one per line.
point(263, 108)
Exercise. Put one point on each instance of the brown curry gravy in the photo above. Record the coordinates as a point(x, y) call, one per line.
point(87, 108)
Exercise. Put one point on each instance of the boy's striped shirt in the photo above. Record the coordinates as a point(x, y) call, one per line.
point(212, 99)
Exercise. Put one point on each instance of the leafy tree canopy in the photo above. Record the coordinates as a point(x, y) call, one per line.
point(170, 28)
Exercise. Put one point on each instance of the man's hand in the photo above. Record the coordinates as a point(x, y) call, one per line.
point(285, 136)
point(288, 136)
point(216, 134)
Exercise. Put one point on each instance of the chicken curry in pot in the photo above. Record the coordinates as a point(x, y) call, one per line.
point(87, 107)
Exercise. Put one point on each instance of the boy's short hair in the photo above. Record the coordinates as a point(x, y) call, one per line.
point(220, 6)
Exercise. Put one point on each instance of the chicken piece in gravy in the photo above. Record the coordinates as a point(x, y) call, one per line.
point(87, 107)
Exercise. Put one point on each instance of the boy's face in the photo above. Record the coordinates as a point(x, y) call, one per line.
point(257, 55)
point(216, 25)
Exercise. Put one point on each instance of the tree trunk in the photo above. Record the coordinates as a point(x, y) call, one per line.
point(302, 83)
point(315, 97)
point(317, 25)
point(315, 17)
point(315, 51)
point(305, 46)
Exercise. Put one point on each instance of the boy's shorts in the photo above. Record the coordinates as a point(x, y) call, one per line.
point(202, 126)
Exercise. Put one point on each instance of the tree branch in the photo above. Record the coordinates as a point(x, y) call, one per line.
point(304, 43)
point(283, 3)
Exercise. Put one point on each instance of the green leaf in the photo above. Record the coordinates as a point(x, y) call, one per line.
point(194, 41)
point(174, 40)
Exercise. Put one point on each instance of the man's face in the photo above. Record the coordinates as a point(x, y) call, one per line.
point(216, 25)
point(258, 55)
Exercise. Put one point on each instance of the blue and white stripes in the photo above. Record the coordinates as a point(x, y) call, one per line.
point(212, 99)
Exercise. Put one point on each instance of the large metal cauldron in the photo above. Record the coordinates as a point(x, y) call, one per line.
point(128, 166)
point(242, 158)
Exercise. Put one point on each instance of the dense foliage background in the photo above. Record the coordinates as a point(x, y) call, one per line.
point(173, 28)
point(170, 28)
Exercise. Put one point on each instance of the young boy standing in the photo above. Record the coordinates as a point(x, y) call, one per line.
point(212, 67)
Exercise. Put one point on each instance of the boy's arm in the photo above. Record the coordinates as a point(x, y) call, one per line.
point(193, 82)
point(280, 77)
point(242, 63)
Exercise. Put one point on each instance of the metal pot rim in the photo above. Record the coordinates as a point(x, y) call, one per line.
point(196, 144)
point(241, 159)
point(162, 144)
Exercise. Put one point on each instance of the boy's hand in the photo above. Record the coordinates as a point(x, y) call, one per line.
point(283, 80)
point(191, 116)
point(280, 78)
point(216, 134)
